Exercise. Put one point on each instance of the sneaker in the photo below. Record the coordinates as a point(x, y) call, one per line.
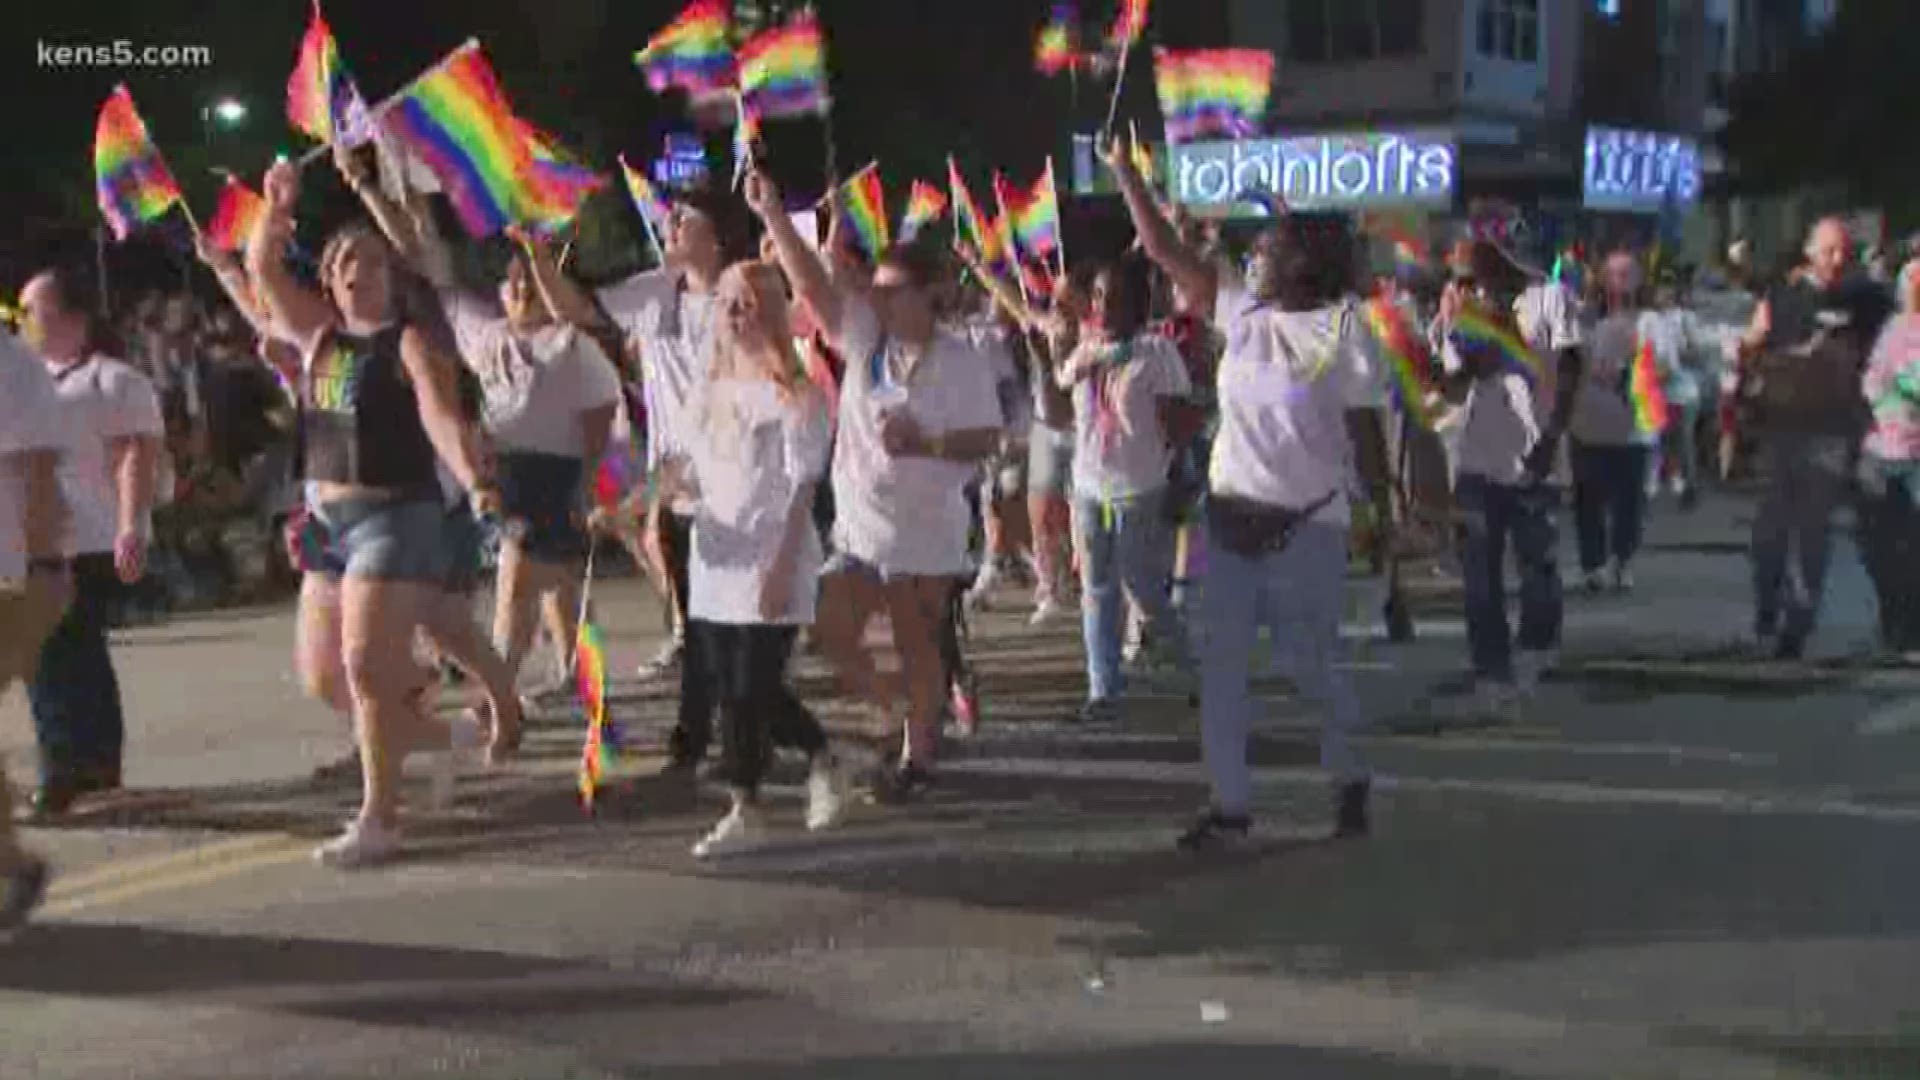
point(1622, 578)
point(1098, 711)
point(364, 843)
point(1595, 582)
point(665, 662)
point(735, 832)
point(826, 794)
point(26, 887)
point(1046, 610)
point(1529, 667)
point(1350, 810)
point(983, 585)
point(465, 734)
point(1214, 831)
point(898, 784)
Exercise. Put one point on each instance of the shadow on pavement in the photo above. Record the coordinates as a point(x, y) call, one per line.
point(1212, 1060)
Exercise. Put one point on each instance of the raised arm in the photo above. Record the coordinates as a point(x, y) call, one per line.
point(393, 219)
point(810, 278)
point(299, 311)
point(1186, 265)
point(434, 376)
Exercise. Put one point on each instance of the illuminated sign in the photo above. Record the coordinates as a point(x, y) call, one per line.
point(1640, 171)
point(1318, 172)
point(683, 165)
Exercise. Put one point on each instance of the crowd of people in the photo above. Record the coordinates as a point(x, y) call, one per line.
point(1202, 449)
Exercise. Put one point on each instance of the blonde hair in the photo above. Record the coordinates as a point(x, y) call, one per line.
point(787, 376)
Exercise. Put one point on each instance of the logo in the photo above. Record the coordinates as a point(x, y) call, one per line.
point(1640, 171)
point(1317, 172)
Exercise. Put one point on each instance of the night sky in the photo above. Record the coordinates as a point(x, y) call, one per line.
point(913, 80)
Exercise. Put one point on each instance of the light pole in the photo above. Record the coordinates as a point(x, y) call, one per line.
point(226, 113)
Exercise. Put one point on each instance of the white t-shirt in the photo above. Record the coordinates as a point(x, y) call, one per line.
point(672, 331)
point(1120, 449)
point(906, 515)
point(1504, 414)
point(750, 451)
point(1602, 411)
point(1286, 383)
point(536, 385)
point(29, 421)
point(101, 400)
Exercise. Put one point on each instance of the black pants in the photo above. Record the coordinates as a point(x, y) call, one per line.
point(746, 670)
point(693, 730)
point(74, 694)
point(1890, 547)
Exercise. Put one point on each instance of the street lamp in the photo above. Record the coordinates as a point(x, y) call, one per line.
point(225, 113)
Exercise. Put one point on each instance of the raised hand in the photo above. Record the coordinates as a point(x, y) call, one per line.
point(353, 169)
point(282, 186)
point(763, 195)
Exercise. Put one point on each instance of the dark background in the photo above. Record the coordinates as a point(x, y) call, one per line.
point(913, 81)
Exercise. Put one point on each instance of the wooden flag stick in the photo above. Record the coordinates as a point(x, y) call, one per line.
point(388, 102)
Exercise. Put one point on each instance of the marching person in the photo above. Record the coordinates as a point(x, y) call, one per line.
point(1889, 476)
point(919, 411)
point(108, 475)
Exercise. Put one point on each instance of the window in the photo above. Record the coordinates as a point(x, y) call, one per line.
point(1510, 29)
point(1345, 31)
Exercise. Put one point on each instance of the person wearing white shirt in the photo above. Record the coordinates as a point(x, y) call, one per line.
point(919, 412)
point(35, 576)
point(1611, 449)
point(1127, 385)
point(1301, 391)
point(108, 476)
point(754, 449)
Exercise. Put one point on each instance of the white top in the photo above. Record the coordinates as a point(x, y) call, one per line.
point(906, 515)
point(672, 331)
point(102, 400)
point(29, 421)
point(536, 385)
point(1602, 410)
point(1286, 383)
point(1120, 448)
point(1504, 414)
point(750, 451)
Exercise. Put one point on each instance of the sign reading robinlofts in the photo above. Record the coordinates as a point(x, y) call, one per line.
point(1333, 171)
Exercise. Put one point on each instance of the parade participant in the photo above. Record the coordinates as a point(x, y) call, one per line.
point(1130, 391)
point(1300, 393)
point(1611, 451)
point(1686, 387)
point(35, 576)
point(919, 412)
point(380, 407)
point(109, 477)
point(1889, 476)
point(754, 447)
point(1799, 392)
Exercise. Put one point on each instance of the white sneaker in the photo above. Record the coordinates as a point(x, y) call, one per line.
point(1529, 666)
point(826, 794)
point(364, 843)
point(665, 662)
point(465, 735)
point(1045, 611)
point(1595, 582)
point(1622, 578)
point(983, 585)
point(737, 831)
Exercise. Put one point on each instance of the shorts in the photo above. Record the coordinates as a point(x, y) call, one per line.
point(539, 494)
point(1006, 477)
point(465, 542)
point(1050, 462)
point(385, 538)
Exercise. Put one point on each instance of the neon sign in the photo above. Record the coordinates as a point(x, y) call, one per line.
point(1318, 172)
point(1640, 171)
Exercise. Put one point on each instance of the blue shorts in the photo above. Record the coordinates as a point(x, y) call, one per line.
point(540, 495)
point(465, 541)
point(384, 538)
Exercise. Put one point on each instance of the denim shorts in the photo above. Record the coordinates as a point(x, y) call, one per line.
point(1050, 462)
point(464, 539)
point(540, 493)
point(385, 538)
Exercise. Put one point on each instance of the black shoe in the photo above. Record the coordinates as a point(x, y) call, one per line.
point(25, 888)
point(1399, 620)
point(53, 797)
point(1350, 811)
point(1215, 831)
point(97, 779)
point(1098, 711)
point(899, 784)
point(1790, 647)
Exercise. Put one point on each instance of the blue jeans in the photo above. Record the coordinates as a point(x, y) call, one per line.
point(1123, 546)
point(1609, 502)
point(1298, 594)
point(74, 694)
point(1806, 477)
point(1494, 515)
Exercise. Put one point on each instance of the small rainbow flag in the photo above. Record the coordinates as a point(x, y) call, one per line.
point(1037, 281)
point(558, 185)
point(1212, 91)
point(590, 683)
point(746, 136)
point(966, 212)
point(925, 205)
point(1651, 413)
point(618, 474)
point(1131, 23)
point(863, 204)
point(235, 217)
point(131, 180)
point(1406, 356)
point(654, 211)
point(1142, 156)
point(457, 119)
point(693, 53)
point(1036, 215)
point(1474, 329)
point(321, 99)
point(784, 70)
point(1057, 49)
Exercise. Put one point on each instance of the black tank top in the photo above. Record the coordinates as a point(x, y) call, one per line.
point(360, 421)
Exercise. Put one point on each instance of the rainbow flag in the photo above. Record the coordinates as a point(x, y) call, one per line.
point(1142, 156)
point(1036, 215)
point(966, 212)
point(1036, 281)
point(925, 204)
point(321, 99)
point(1058, 47)
point(1473, 329)
point(1651, 413)
point(1131, 23)
point(784, 70)
point(235, 217)
point(1212, 91)
point(458, 121)
point(558, 185)
point(863, 205)
point(620, 472)
point(746, 136)
point(131, 180)
point(693, 53)
point(590, 683)
point(1406, 357)
point(654, 211)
